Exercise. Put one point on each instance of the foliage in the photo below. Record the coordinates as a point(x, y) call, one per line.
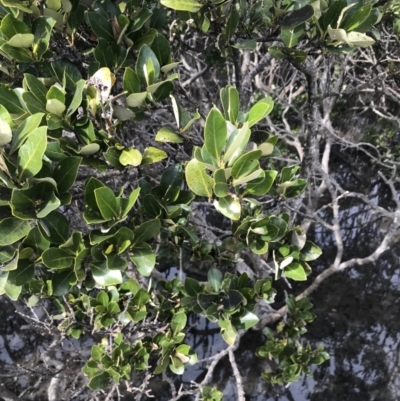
point(59, 119)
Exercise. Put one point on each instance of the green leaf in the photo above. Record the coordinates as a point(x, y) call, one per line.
point(153, 155)
point(5, 133)
point(103, 54)
point(55, 227)
point(214, 277)
point(136, 99)
point(50, 203)
point(55, 258)
point(144, 258)
point(106, 203)
point(90, 186)
point(161, 49)
point(249, 320)
point(332, 14)
point(77, 98)
point(23, 274)
point(229, 207)
point(147, 230)
point(246, 164)
point(11, 26)
point(215, 133)
point(89, 149)
point(12, 291)
point(36, 240)
point(131, 82)
point(56, 107)
point(294, 188)
point(145, 56)
point(370, 21)
point(310, 252)
point(198, 180)
point(99, 381)
point(291, 37)
point(103, 276)
point(249, 44)
point(21, 40)
point(356, 18)
point(19, 54)
point(232, 299)
point(232, 23)
point(130, 202)
point(31, 153)
point(100, 25)
point(24, 130)
point(65, 173)
point(178, 322)
point(130, 157)
point(298, 17)
point(10, 100)
point(32, 104)
point(36, 87)
point(67, 73)
point(192, 287)
point(12, 230)
point(262, 186)
point(260, 110)
point(229, 335)
point(237, 142)
point(62, 282)
point(140, 19)
point(191, 6)
point(168, 135)
point(295, 271)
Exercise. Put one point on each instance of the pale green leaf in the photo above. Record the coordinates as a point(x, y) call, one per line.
point(21, 40)
point(182, 5)
point(31, 153)
point(198, 180)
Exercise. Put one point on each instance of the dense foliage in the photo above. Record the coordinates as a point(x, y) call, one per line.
point(79, 81)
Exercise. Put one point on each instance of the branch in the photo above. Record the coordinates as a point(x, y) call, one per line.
point(238, 377)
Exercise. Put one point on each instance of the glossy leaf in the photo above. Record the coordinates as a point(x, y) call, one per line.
point(77, 98)
point(31, 153)
point(198, 180)
point(146, 231)
point(298, 17)
point(142, 63)
point(130, 157)
point(55, 227)
point(100, 25)
point(144, 258)
point(214, 277)
point(215, 133)
point(103, 276)
point(55, 258)
point(99, 381)
point(191, 6)
point(168, 135)
point(106, 203)
point(5, 133)
point(229, 207)
point(260, 110)
point(178, 322)
point(65, 173)
point(295, 271)
point(12, 230)
point(153, 155)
